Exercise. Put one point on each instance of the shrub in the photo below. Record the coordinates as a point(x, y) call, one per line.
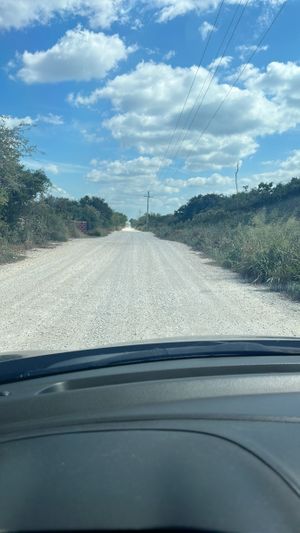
point(7, 253)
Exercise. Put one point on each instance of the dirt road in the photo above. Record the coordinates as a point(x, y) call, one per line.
point(129, 286)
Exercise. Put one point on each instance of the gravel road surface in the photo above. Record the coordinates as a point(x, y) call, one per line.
point(129, 286)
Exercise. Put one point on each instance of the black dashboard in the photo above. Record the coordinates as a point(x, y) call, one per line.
point(208, 444)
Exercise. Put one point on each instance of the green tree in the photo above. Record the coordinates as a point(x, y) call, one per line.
point(18, 186)
point(104, 211)
point(118, 220)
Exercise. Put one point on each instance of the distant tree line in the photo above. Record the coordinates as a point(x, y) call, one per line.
point(218, 206)
point(278, 200)
point(29, 215)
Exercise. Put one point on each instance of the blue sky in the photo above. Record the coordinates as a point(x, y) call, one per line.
point(102, 85)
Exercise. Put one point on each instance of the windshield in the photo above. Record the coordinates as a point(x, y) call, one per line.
point(149, 172)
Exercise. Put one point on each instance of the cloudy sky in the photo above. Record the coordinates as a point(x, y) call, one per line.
point(126, 96)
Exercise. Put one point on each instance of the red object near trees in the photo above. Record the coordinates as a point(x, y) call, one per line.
point(81, 225)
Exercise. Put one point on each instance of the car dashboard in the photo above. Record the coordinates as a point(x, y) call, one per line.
point(209, 444)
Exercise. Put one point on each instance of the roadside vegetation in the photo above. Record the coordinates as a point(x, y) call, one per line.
point(255, 232)
point(30, 216)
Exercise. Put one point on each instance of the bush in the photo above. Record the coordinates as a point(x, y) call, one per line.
point(98, 232)
point(270, 252)
point(7, 253)
point(42, 225)
point(28, 215)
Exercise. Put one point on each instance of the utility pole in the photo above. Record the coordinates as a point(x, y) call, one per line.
point(148, 204)
point(236, 176)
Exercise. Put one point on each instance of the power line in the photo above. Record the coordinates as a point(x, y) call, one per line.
point(243, 69)
point(212, 76)
point(195, 76)
point(253, 53)
point(208, 39)
point(216, 56)
point(273, 21)
point(180, 140)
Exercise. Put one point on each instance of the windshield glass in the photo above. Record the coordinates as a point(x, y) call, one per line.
point(149, 172)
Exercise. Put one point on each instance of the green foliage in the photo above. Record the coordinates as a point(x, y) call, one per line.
point(28, 215)
point(18, 186)
point(100, 207)
point(118, 220)
point(42, 224)
point(215, 207)
point(154, 220)
point(13, 145)
point(256, 233)
point(268, 252)
point(7, 252)
point(19, 201)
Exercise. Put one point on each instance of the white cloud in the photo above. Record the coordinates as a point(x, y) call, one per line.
point(169, 55)
point(141, 170)
point(266, 16)
point(90, 136)
point(56, 167)
point(13, 122)
point(55, 120)
point(88, 132)
point(214, 179)
point(147, 103)
point(280, 80)
point(100, 13)
point(136, 176)
point(283, 171)
point(280, 84)
point(206, 28)
point(201, 181)
point(223, 61)
point(136, 24)
point(53, 169)
point(79, 55)
point(170, 9)
point(56, 190)
point(34, 164)
point(246, 50)
point(139, 175)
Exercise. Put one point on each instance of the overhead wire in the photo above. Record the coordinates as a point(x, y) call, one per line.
point(195, 75)
point(238, 77)
point(253, 53)
point(231, 24)
point(207, 43)
point(197, 106)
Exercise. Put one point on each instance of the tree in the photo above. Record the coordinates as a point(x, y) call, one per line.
point(18, 186)
point(13, 146)
point(198, 204)
point(118, 220)
point(29, 186)
point(265, 187)
point(28, 214)
point(104, 211)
